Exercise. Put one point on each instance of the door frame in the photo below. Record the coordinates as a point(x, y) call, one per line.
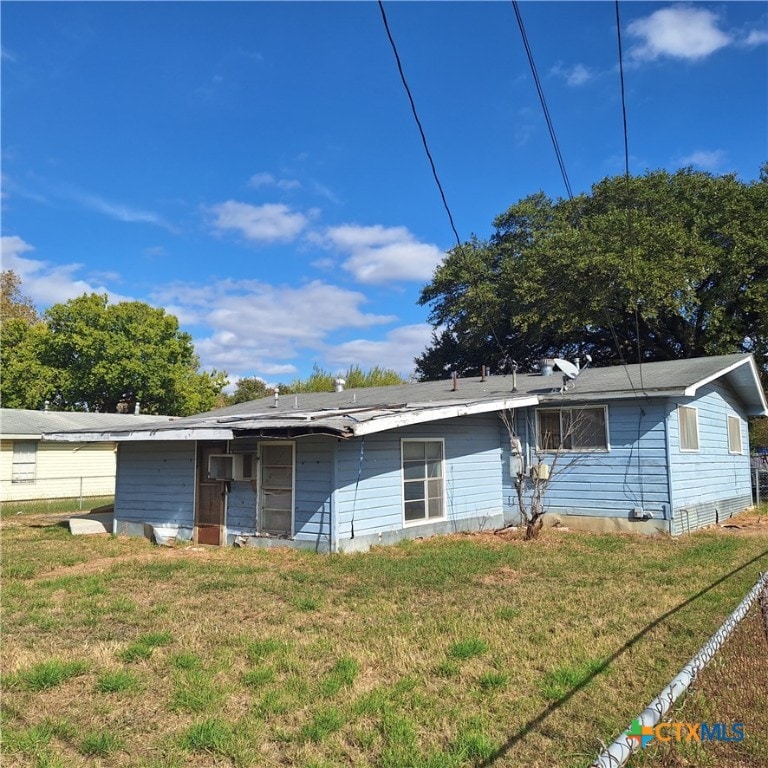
point(218, 446)
point(259, 496)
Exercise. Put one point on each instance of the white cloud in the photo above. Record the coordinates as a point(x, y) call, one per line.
point(574, 76)
point(268, 180)
point(117, 211)
point(46, 283)
point(756, 37)
point(261, 223)
point(707, 159)
point(257, 327)
point(396, 351)
point(680, 32)
point(378, 254)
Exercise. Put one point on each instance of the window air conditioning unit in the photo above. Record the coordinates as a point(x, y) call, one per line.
point(221, 466)
point(245, 466)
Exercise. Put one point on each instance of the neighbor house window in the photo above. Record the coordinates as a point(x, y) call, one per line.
point(689, 427)
point(423, 491)
point(572, 429)
point(24, 467)
point(734, 435)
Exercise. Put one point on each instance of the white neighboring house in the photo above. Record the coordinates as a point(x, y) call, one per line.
point(31, 468)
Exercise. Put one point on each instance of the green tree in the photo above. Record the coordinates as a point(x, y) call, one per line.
point(656, 267)
point(13, 304)
point(354, 378)
point(90, 355)
point(247, 389)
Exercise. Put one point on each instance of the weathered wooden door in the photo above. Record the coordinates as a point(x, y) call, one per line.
point(211, 497)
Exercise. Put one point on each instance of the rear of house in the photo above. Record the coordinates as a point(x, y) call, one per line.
point(620, 449)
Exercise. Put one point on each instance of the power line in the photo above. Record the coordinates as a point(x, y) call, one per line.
point(543, 100)
point(418, 123)
point(434, 169)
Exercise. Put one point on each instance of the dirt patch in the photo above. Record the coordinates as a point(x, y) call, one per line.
point(748, 523)
point(103, 563)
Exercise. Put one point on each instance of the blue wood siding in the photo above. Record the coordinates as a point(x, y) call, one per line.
point(312, 492)
point(369, 475)
point(711, 484)
point(156, 483)
point(631, 473)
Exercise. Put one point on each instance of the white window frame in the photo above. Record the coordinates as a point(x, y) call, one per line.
point(688, 409)
point(443, 498)
point(24, 462)
point(571, 410)
point(733, 424)
point(261, 486)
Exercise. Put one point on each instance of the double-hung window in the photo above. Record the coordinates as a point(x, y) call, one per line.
point(24, 469)
point(423, 480)
point(572, 429)
point(734, 435)
point(688, 420)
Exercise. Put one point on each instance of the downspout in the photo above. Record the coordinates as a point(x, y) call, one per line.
point(333, 526)
point(668, 449)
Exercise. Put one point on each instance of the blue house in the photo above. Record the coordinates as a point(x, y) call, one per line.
point(658, 447)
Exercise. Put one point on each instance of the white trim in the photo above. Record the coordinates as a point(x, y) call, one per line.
point(426, 520)
point(697, 449)
point(154, 435)
point(738, 420)
point(428, 413)
point(691, 390)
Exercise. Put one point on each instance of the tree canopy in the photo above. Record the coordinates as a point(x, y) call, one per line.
point(252, 387)
point(89, 355)
point(13, 304)
point(654, 267)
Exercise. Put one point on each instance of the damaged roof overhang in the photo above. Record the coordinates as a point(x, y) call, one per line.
point(344, 423)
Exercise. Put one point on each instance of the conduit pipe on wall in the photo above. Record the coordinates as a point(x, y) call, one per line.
point(617, 754)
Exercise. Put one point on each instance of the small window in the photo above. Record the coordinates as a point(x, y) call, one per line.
point(572, 429)
point(423, 493)
point(689, 428)
point(24, 469)
point(734, 435)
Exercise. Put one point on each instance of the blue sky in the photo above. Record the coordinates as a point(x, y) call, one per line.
point(255, 169)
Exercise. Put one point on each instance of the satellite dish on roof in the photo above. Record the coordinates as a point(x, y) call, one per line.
point(568, 368)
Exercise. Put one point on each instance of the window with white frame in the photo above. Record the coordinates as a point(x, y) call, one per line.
point(734, 435)
point(423, 480)
point(572, 429)
point(688, 419)
point(24, 469)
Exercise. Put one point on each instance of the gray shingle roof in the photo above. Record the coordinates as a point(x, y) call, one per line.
point(361, 411)
point(23, 422)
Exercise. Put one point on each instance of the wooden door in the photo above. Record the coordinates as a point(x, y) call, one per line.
point(211, 497)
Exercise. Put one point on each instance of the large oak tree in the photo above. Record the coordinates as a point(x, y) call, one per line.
point(656, 267)
point(88, 354)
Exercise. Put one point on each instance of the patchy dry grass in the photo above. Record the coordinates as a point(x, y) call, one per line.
point(456, 651)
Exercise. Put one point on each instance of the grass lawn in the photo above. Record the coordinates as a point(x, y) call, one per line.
point(454, 651)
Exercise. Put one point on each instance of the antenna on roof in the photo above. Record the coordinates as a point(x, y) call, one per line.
point(570, 372)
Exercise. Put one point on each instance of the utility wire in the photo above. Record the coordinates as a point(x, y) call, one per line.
point(630, 230)
point(418, 123)
point(543, 100)
point(432, 166)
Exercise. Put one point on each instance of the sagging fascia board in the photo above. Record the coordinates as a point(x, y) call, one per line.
point(135, 436)
point(421, 416)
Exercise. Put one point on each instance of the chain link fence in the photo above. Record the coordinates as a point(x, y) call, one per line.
point(760, 483)
point(42, 488)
